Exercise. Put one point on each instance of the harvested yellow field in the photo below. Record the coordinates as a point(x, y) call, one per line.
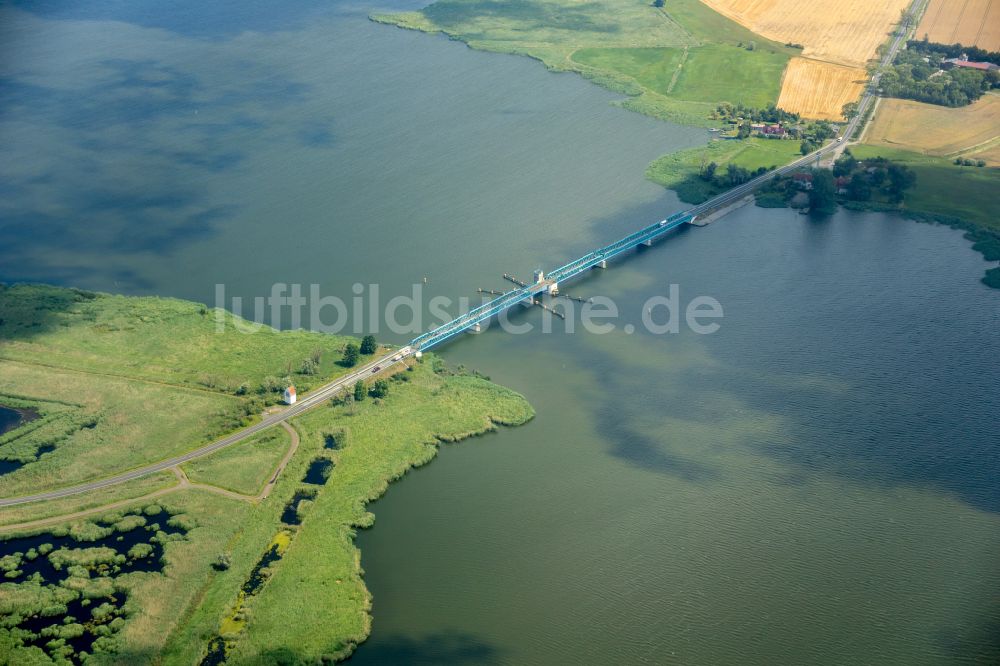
point(969, 22)
point(937, 130)
point(819, 90)
point(846, 32)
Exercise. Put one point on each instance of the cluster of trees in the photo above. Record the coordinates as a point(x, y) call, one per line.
point(917, 75)
point(378, 389)
point(874, 175)
point(870, 179)
point(823, 195)
point(974, 53)
point(771, 114)
point(814, 134)
point(352, 352)
point(733, 175)
point(964, 161)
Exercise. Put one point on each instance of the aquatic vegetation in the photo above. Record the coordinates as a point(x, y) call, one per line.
point(62, 597)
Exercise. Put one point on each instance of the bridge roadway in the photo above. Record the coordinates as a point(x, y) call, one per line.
point(492, 308)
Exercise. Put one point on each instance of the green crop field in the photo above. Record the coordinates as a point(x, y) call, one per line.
point(726, 73)
point(655, 69)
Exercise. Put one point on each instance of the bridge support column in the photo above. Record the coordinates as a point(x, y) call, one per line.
point(554, 289)
point(475, 328)
point(648, 242)
point(603, 263)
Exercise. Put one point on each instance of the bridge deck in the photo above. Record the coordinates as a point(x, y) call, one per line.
point(567, 272)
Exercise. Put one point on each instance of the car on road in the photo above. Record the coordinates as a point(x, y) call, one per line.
point(376, 369)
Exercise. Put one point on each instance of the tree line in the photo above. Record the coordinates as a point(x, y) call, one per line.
point(769, 114)
point(974, 53)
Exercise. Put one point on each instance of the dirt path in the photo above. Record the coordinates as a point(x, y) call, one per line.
point(183, 483)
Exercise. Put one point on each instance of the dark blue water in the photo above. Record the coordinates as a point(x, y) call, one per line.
point(12, 418)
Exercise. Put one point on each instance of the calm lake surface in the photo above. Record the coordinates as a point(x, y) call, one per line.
point(815, 483)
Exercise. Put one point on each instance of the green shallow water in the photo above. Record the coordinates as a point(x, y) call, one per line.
point(815, 483)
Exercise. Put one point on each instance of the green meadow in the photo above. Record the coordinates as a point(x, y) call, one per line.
point(122, 382)
point(243, 468)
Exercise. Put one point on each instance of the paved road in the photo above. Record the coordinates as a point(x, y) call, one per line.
point(310, 400)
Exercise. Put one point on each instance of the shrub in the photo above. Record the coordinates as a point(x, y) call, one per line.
point(379, 389)
point(222, 562)
point(368, 345)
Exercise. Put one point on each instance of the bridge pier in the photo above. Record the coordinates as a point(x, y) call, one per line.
point(554, 289)
point(603, 263)
point(475, 328)
point(648, 242)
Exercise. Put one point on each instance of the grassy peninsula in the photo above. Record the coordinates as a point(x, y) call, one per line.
point(193, 560)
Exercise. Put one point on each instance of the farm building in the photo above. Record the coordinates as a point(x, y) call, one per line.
point(803, 181)
point(965, 62)
point(775, 131)
point(289, 395)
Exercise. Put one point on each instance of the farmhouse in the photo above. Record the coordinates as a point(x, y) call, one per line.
point(842, 183)
point(289, 395)
point(803, 181)
point(771, 131)
point(965, 62)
